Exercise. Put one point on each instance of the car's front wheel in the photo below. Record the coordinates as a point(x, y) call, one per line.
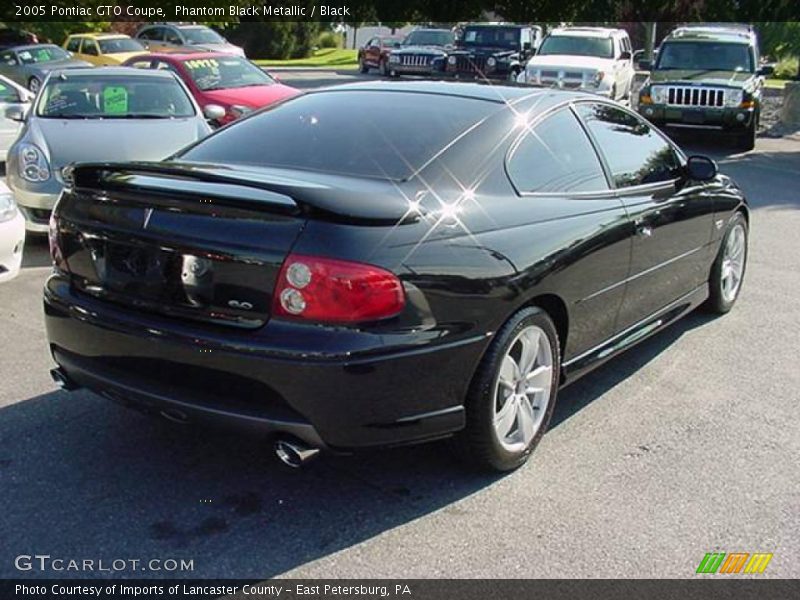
point(362, 66)
point(747, 141)
point(513, 393)
point(728, 269)
point(34, 84)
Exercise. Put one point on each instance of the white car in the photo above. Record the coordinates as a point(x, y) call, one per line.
point(593, 59)
point(11, 94)
point(12, 235)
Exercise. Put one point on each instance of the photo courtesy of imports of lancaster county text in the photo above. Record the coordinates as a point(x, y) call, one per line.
point(399, 300)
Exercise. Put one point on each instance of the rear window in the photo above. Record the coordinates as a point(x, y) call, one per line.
point(371, 134)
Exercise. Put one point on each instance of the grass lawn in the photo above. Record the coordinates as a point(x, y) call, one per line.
point(775, 83)
point(338, 58)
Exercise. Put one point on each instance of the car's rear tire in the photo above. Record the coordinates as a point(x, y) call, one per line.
point(727, 272)
point(34, 84)
point(513, 394)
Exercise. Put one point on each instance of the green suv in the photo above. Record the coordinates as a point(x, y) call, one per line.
point(706, 77)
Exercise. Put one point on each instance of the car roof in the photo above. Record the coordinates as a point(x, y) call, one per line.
point(709, 35)
point(111, 71)
point(601, 32)
point(516, 25)
point(99, 36)
point(500, 94)
point(187, 55)
point(32, 46)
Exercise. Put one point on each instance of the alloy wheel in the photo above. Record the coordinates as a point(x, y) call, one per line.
point(733, 262)
point(523, 389)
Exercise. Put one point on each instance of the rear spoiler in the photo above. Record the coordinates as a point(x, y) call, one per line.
point(332, 197)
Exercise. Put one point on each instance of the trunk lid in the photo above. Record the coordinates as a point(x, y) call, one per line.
point(199, 248)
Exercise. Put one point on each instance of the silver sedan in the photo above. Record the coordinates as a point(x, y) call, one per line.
point(97, 115)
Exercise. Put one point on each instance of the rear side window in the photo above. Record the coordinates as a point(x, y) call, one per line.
point(636, 154)
point(386, 135)
point(154, 33)
point(556, 156)
point(74, 44)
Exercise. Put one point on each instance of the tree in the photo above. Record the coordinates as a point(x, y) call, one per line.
point(780, 39)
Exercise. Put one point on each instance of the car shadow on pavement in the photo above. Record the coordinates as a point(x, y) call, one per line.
point(586, 390)
point(84, 478)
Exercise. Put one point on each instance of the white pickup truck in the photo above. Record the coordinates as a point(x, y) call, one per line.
point(593, 59)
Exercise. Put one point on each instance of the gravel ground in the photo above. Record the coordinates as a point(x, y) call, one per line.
point(771, 125)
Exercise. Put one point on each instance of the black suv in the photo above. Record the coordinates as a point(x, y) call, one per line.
point(706, 77)
point(493, 51)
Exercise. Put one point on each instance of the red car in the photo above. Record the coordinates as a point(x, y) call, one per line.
point(375, 53)
point(229, 81)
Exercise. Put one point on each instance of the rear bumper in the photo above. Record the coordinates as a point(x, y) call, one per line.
point(343, 395)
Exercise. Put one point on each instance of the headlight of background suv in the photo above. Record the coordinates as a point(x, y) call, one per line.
point(733, 98)
point(33, 165)
point(394, 58)
point(451, 60)
point(8, 208)
point(659, 94)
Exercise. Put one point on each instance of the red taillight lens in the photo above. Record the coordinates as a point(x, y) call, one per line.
point(335, 291)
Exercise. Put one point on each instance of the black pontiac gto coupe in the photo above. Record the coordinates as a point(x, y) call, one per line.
point(439, 269)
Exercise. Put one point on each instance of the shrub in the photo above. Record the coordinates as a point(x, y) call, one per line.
point(786, 67)
point(329, 39)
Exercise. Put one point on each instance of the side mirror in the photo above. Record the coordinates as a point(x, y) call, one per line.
point(701, 168)
point(526, 46)
point(213, 112)
point(15, 113)
point(625, 55)
point(766, 70)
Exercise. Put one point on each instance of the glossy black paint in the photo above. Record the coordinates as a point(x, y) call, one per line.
point(610, 267)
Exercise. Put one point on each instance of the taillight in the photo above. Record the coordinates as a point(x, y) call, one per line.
point(335, 291)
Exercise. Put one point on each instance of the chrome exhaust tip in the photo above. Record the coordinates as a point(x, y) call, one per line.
point(62, 380)
point(294, 453)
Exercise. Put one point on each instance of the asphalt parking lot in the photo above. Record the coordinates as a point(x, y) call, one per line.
point(687, 444)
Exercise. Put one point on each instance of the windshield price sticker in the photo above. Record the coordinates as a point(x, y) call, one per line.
point(115, 100)
point(199, 63)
